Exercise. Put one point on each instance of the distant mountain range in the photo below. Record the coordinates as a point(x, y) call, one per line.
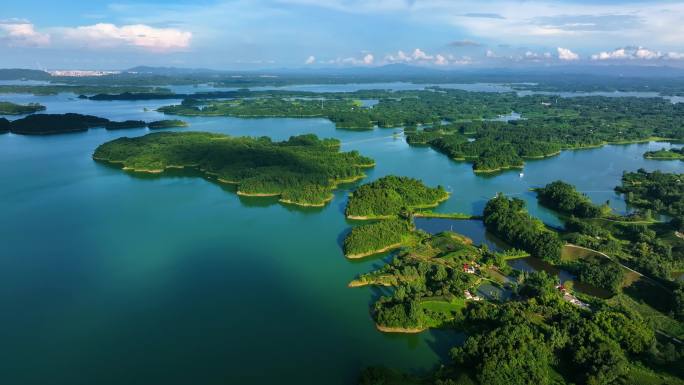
point(391, 72)
point(409, 70)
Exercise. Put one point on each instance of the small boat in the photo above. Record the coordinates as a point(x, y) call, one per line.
point(522, 174)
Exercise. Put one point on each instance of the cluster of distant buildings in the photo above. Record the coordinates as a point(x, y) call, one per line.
point(81, 73)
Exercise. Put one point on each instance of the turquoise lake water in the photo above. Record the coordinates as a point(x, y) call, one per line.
point(112, 278)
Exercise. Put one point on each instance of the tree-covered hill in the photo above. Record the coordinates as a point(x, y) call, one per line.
point(388, 196)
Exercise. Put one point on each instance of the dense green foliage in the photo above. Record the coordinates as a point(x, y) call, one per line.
point(81, 90)
point(428, 281)
point(605, 274)
point(43, 124)
point(658, 191)
point(564, 198)
point(301, 170)
point(508, 219)
point(345, 113)
point(390, 195)
point(369, 238)
point(545, 341)
point(166, 124)
point(125, 124)
point(8, 108)
point(669, 154)
point(448, 118)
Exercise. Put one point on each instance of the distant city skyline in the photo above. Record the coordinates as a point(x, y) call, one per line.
point(258, 34)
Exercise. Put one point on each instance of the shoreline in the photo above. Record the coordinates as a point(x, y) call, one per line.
point(455, 216)
point(377, 251)
point(322, 204)
point(503, 168)
point(220, 180)
point(390, 216)
point(396, 329)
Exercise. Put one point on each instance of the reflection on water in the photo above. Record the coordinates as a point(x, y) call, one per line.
point(473, 229)
point(531, 264)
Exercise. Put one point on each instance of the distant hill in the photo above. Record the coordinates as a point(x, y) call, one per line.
point(172, 71)
point(23, 74)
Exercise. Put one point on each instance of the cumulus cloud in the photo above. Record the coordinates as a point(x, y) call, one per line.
point(22, 33)
point(566, 54)
point(636, 53)
point(367, 59)
point(310, 60)
point(105, 35)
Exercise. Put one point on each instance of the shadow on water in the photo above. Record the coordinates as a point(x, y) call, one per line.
point(532, 264)
point(443, 340)
point(187, 173)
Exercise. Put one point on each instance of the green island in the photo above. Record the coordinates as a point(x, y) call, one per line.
point(302, 170)
point(9, 108)
point(392, 202)
point(159, 124)
point(388, 196)
point(669, 154)
point(524, 327)
point(468, 126)
point(48, 124)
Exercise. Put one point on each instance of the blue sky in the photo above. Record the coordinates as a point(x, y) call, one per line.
point(251, 34)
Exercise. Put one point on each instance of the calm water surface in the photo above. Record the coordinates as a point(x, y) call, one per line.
point(112, 278)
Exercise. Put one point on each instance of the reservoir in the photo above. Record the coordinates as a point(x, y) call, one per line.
point(176, 279)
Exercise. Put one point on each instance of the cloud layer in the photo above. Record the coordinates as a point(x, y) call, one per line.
point(22, 33)
point(104, 35)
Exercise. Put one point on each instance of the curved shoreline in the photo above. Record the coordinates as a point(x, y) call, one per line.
point(390, 216)
point(394, 329)
point(503, 168)
point(372, 252)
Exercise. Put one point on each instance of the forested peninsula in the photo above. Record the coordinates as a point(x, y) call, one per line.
point(669, 154)
point(302, 170)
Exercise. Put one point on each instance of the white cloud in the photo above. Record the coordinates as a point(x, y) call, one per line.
point(367, 59)
point(566, 54)
point(310, 60)
point(535, 21)
point(441, 60)
point(22, 33)
point(418, 56)
point(105, 35)
point(637, 53)
point(675, 55)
